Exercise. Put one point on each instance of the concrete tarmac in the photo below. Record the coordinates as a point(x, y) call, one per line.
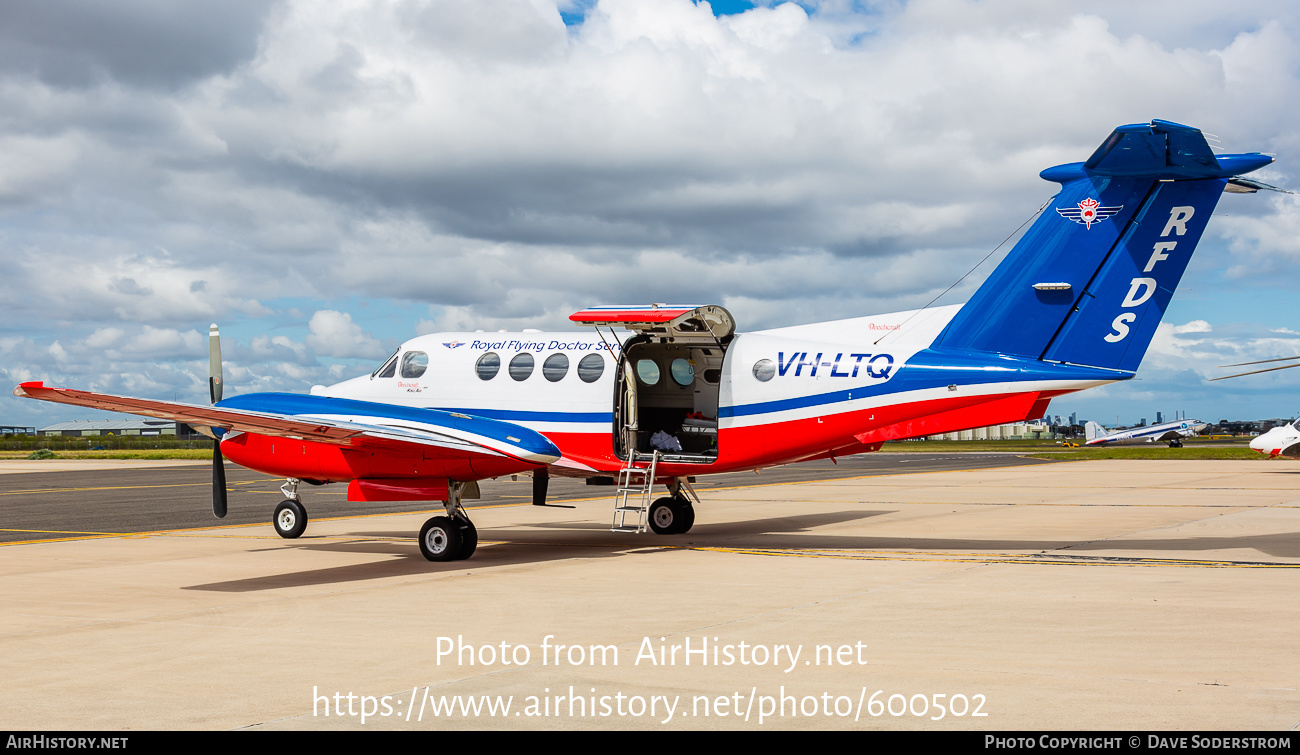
point(1081, 595)
point(55, 499)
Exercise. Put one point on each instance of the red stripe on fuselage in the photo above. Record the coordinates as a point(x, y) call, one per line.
point(740, 448)
point(743, 448)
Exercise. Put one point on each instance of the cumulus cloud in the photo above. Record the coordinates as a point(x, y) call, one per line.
point(334, 334)
point(170, 165)
point(1195, 326)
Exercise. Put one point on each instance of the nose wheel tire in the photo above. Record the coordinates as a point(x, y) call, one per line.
point(671, 516)
point(290, 519)
point(445, 539)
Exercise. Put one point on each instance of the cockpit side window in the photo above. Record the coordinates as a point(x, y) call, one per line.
point(387, 368)
point(414, 363)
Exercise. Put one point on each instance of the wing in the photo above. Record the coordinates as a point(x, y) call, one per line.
point(328, 420)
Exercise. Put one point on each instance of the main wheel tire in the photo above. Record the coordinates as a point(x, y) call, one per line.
point(671, 516)
point(688, 518)
point(440, 539)
point(468, 540)
point(289, 519)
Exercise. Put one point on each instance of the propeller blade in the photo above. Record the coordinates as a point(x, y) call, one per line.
point(1262, 361)
point(218, 481)
point(214, 363)
point(1256, 372)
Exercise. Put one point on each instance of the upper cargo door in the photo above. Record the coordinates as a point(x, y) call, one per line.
point(676, 321)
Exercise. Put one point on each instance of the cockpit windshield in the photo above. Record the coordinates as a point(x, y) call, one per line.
point(387, 368)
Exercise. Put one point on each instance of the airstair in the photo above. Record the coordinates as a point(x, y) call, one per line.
point(634, 486)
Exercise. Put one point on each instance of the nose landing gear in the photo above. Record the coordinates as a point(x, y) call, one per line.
point(290, 517)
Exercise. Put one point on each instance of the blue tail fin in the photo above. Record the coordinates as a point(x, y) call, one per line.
point(1090, 280)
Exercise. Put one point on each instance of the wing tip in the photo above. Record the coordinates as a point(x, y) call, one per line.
point(21, 389)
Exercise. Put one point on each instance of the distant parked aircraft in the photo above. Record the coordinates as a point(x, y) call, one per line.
point(1165, 432)
point(1280, 441)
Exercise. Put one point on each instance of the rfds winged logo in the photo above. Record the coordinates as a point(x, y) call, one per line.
point(1088, 212)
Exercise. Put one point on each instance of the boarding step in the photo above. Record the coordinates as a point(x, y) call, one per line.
point(634, 497)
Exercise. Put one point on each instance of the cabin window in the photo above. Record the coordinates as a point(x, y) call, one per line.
point(387, 368)
point(488, 366)
point(555, 367)
point(521, 366)
point(591, 367)
point(648, 371)
point(414, 364)
point(683, 372)
point(764, 370)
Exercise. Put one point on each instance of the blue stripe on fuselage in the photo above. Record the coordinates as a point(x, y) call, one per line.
point(296, 404)
point(934, 368)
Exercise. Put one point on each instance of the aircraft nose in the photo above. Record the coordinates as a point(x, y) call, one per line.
point(1269, 443)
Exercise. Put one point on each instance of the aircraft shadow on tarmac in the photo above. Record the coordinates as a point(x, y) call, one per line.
point(515, 546)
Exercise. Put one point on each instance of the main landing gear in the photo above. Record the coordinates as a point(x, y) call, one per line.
point(452, 537)
point(673, 515)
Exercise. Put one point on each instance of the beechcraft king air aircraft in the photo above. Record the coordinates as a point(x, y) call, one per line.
point(658, 394)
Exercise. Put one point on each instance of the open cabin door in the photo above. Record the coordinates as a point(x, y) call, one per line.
point(666, 390)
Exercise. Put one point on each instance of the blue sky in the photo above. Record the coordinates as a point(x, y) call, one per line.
point(326, 180)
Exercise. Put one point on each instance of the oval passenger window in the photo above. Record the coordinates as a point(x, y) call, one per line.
point(590, 368)
point(683, 372)
point(648, 371)
point(488, 365)
point(555, 367)
point(521, 366)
